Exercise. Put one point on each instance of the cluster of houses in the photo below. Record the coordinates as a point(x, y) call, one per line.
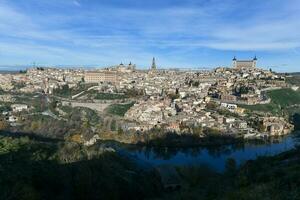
point(172, 99)
point(178, 99)
point(276, 126)
point(11, 115)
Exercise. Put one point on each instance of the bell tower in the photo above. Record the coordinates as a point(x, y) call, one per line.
point(234, 62)
point(153, 66)
point(254, 61)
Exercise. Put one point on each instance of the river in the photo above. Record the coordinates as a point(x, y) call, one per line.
point(214, 157)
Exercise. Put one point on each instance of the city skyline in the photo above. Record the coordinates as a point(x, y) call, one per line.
point(177, 33)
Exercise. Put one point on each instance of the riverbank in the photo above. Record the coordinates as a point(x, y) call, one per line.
point(98, 172)
point(173, 140)
point(170, 140)
point(34, 169)
point(275, 177)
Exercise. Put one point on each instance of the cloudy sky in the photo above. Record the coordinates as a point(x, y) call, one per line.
point(179, 33)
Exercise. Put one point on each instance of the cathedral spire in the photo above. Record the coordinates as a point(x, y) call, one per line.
point(153, 66)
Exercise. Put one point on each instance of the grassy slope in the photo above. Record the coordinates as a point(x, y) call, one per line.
point(279, 99)
point(119, 109)
point(285, 97)
point(108, 96)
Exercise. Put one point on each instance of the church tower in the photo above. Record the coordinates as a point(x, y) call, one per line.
point(153, 66)
point(234, 63)
point(254, 61)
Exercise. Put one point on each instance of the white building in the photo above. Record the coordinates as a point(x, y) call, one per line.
point(19, 107)
point(244, 64)
point(230, 107)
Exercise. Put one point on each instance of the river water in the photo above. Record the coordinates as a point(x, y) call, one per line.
point(214, 157)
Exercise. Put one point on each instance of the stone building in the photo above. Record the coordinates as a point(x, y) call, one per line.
point(153, 66)
point(244, 64)
point(276, 126)
point(228, 98)
point(101, 76)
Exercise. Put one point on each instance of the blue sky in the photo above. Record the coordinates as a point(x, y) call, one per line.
point(179, 33)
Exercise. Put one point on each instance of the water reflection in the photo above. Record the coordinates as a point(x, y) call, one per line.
point(215, 156)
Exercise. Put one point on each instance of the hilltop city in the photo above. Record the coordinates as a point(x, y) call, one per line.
point(149, 100)
point(131, 101)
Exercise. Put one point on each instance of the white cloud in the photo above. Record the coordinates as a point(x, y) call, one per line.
point(122, 33)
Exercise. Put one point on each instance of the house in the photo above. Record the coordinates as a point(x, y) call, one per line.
point(229, 120)
point(228, 98)
point(240, 110)
point(241, 124)
point(19, 107)
point(12, 119)
point(230, 107)
point(173, 126)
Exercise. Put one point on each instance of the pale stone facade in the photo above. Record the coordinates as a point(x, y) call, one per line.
point(244, 64)
point(101, 76)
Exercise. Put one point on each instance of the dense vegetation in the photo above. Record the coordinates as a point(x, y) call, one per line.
point(37, 168)
point(119, 109)
point(66, 92)
point(81, 121)
point(296, 120)
point(31, 169)
point(109, 96)
point(211, 138)
point(265, 178)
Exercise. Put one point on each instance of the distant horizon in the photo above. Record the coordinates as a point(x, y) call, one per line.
point(206, 33)
point(15, 68)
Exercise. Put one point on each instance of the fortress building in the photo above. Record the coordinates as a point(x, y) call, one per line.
point(244, 64)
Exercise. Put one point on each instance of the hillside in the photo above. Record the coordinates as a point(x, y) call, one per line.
point(280, 99)
point(285, 97)
point(33, 169)
point(274, 178)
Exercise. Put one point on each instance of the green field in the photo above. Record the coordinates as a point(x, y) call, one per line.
point(262, 108)
point(280, 99)
point(119, 109)
point(108, 96)
point(285, 97)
